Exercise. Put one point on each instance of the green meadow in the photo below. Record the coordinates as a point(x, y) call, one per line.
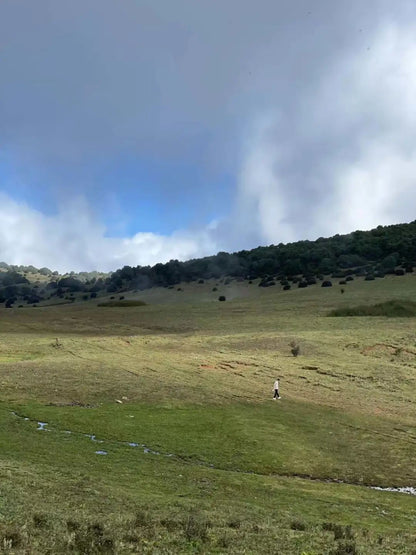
point(161, 435)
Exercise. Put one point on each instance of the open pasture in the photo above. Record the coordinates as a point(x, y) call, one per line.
point(195, 456)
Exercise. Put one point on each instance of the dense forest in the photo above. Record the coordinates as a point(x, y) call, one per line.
point(383, 250)
point(373, 254)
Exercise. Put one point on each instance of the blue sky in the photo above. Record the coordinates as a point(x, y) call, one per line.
point(136, 132)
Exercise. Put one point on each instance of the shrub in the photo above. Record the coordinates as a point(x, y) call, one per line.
point(221, 298)
point(389, 309)
point(201, 281)
point(302, 284)
point(399, 272)
point(286, 287)
point(369, 277)
point(326, 283)
point(266, 282)
point(121, 303)
point(295, 350)
point(215, 289)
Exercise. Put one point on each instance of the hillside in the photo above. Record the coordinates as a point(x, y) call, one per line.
point(151, 429)
point(388, 250)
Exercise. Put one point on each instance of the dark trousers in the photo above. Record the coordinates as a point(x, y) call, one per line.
point(276, 394)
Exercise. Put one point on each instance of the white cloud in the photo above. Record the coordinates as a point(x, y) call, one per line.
point(262, 204)
point(74, 240)
point(345, 157)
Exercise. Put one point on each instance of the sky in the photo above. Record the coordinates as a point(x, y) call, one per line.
point(137, 131)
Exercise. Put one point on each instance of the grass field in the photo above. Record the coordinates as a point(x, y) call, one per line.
point(189, 454)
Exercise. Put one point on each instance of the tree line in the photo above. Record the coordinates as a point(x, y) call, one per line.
point(383, 250)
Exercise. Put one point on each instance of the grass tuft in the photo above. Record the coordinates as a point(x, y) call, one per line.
point(298, 525)
point(196, 528)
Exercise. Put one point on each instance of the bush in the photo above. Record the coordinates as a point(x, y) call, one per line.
point(390, 309)
point(326, 283)
point(221, 298)
point(121, 303)
point(369, 277)
point(215, 289)
point(295, 350)
point(286, 287)
point(302, 284)
point(266, 282)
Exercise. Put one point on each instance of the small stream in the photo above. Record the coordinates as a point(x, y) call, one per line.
point(42, 426)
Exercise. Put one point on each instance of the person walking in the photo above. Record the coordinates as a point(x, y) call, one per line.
point(276, 390)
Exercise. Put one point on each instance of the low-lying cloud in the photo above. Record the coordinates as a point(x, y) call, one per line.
point(74, 239)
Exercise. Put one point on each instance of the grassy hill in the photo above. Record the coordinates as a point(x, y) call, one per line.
point(385, 250)
point(161, 435)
